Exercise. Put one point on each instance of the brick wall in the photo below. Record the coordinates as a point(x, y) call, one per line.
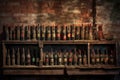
point(108, 14)
point(45, 12)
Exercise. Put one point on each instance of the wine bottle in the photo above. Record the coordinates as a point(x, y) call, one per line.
point(51, 58)
point(28, 57)
point(58, 31)
point(10, 32)
point(13, 33)
point(84, 58)
point(38, 32)
point(86, 32)
point(56, 58)
point(8, 59)
point(53, 33)
point(18, 33)
point(34, 32)
point(82, 32)
point(22, 33)
point(65, 58)
point(37, 57)
point(97, 56)
point(46, 58)
point(59, 58)
point(18, 56)
point(68, 33)
point(72, 32)
point(92, 56)
point(28, 32)
point(43, 32)
point(13, 56)
point(90, 32)
point(75, 57)
point(70, 58)
point(106, 57)
point(77, 33)
point(79, 57)
point(100, 33)
point(64, 32)
point(49, 33)
point(23, 57)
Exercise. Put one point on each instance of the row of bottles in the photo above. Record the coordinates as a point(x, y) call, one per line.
point(99, 56)
point(71, 57)
point(22, 56)
point(41, 32)
point(28, 56)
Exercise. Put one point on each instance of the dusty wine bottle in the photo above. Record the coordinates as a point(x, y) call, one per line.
point(13, 34)
point(68, 33)
point(10, 30)
point(58, 30)
point(56, 58)
point(13, 56)
point(38, 32)
point(79, 57)
point(90, 32)
point(8, 59)
point(64, 32)
point(49, 33)
point(106, 57)
point(23, 57)
point(43, 32)
point(82, 32)
point(75, 57)
point(70, 59)
point(53, 33)
point(34, 33)
point(51, 58)
point(28, 32)
point(65, 58)
point(100, 33)
point(97, 56)
point(18, 56)
point(72, 32)
point(92, 56)
point(18, 32)
point(59, 58)
point(84, 58)
point(28, 57)
point(77, 33)
point(22, 32)
point(86, 32)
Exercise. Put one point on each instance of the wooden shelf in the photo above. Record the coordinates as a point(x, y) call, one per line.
point(58, 42)
point(63, 66)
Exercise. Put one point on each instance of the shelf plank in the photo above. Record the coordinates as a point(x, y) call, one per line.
point(58, 42)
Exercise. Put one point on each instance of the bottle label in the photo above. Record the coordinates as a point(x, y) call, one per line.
point(38, 35)
point(70, 59)
point(64, 37)
point(58, 35)
point(65, 59)
point(53, 35)
point(69, 35)
point(60, 60)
